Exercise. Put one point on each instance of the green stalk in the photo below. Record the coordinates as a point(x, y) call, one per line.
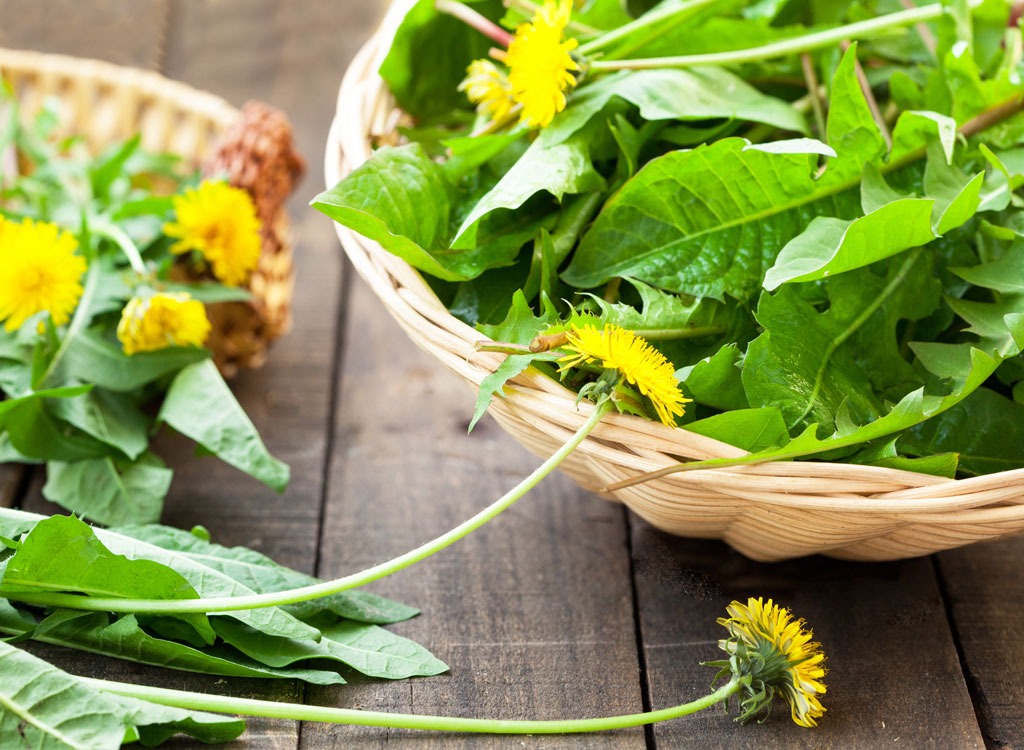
point(657, 21)
point(78, 321)
point(296, 712)
point(806, 43)
point(120, 238)
point(326, 588)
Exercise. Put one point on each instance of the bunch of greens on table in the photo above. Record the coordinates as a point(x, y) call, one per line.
point(811, 209)
point(46, 557)
point(106, 261)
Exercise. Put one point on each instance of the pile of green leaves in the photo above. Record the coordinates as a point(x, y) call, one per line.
point(69, 396)
point(315, 641)
point(844, 287)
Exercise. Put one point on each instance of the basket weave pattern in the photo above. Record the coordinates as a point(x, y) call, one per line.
point(770, 511)
point(102, 103)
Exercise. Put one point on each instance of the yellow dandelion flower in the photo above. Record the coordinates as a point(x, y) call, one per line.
point(540, 64)
point(220, 222)
point(782, 657)
point(488, 88)
point(162, 320)
point(639, 363)
point(39, 272)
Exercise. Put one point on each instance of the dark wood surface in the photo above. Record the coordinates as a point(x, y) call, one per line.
point(565, 606)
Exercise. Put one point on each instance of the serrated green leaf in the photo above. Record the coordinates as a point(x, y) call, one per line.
point(558, 169)
point(368, 649)
point(155, 723)
point(62, 553)
point(200, 406)
point(123, 638)
point(111, 418)
point(674, 94)
point(750, 429)
point(831, 246)
point(207, 581)
point(43, 707)
point(716, 380)
point(110, 492)
point(706, 222)
point(986, 430)
point(92, 359)
point(1006, 274)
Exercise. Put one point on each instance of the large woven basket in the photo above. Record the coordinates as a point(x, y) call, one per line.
point(768, 512)
point(102, 103)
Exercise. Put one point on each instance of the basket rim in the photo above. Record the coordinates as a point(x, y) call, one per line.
point(898, 497)
point(212, 106)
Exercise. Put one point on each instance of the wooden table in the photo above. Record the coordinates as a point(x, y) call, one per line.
point(566, 605)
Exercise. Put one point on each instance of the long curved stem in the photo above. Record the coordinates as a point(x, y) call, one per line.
point(796, 45)
point(326, 588)
point(296, 712)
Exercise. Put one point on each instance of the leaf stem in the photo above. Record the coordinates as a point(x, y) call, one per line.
point(125, 243)
point(78, 321)
point(325, 588)
point(817, 40)
point(657, 21)
point(675, 334)
point(355, 717)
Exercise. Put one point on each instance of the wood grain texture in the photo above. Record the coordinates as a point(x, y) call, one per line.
point(129, 33)
point(533, 612)
point(10, 481)
point(984, 586)
point(894, 678)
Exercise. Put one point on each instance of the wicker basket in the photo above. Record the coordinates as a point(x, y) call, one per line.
point(101, 103)
point(768, 512)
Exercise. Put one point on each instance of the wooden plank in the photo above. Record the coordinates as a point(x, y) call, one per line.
point(533, 613)
point(10, 481)
point(124, 33)
point(253, 54)
point(984, 586)
point(894, 679)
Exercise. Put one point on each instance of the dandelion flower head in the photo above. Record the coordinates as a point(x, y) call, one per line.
point(639, 363)
point(778, 652)
point(488, 88)
point(220, 222)
point(39, 272)
point(540, 65)
point(162, 320)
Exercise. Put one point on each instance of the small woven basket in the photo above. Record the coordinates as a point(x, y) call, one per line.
point(769, 511)
point(102, 103)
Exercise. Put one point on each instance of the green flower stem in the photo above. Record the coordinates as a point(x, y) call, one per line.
point(796, 45)
point(675, 334)
point(120, 238)
point(326, 588)
point(296, 712)
point(656, 22)
point(78, 321)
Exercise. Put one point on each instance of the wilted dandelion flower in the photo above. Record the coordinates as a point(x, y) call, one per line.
point(162, 320)
point(220, 222)
point(39, 272)
point(768, 644)
point(488, 88)
point(541, 68)
point(637, 362)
